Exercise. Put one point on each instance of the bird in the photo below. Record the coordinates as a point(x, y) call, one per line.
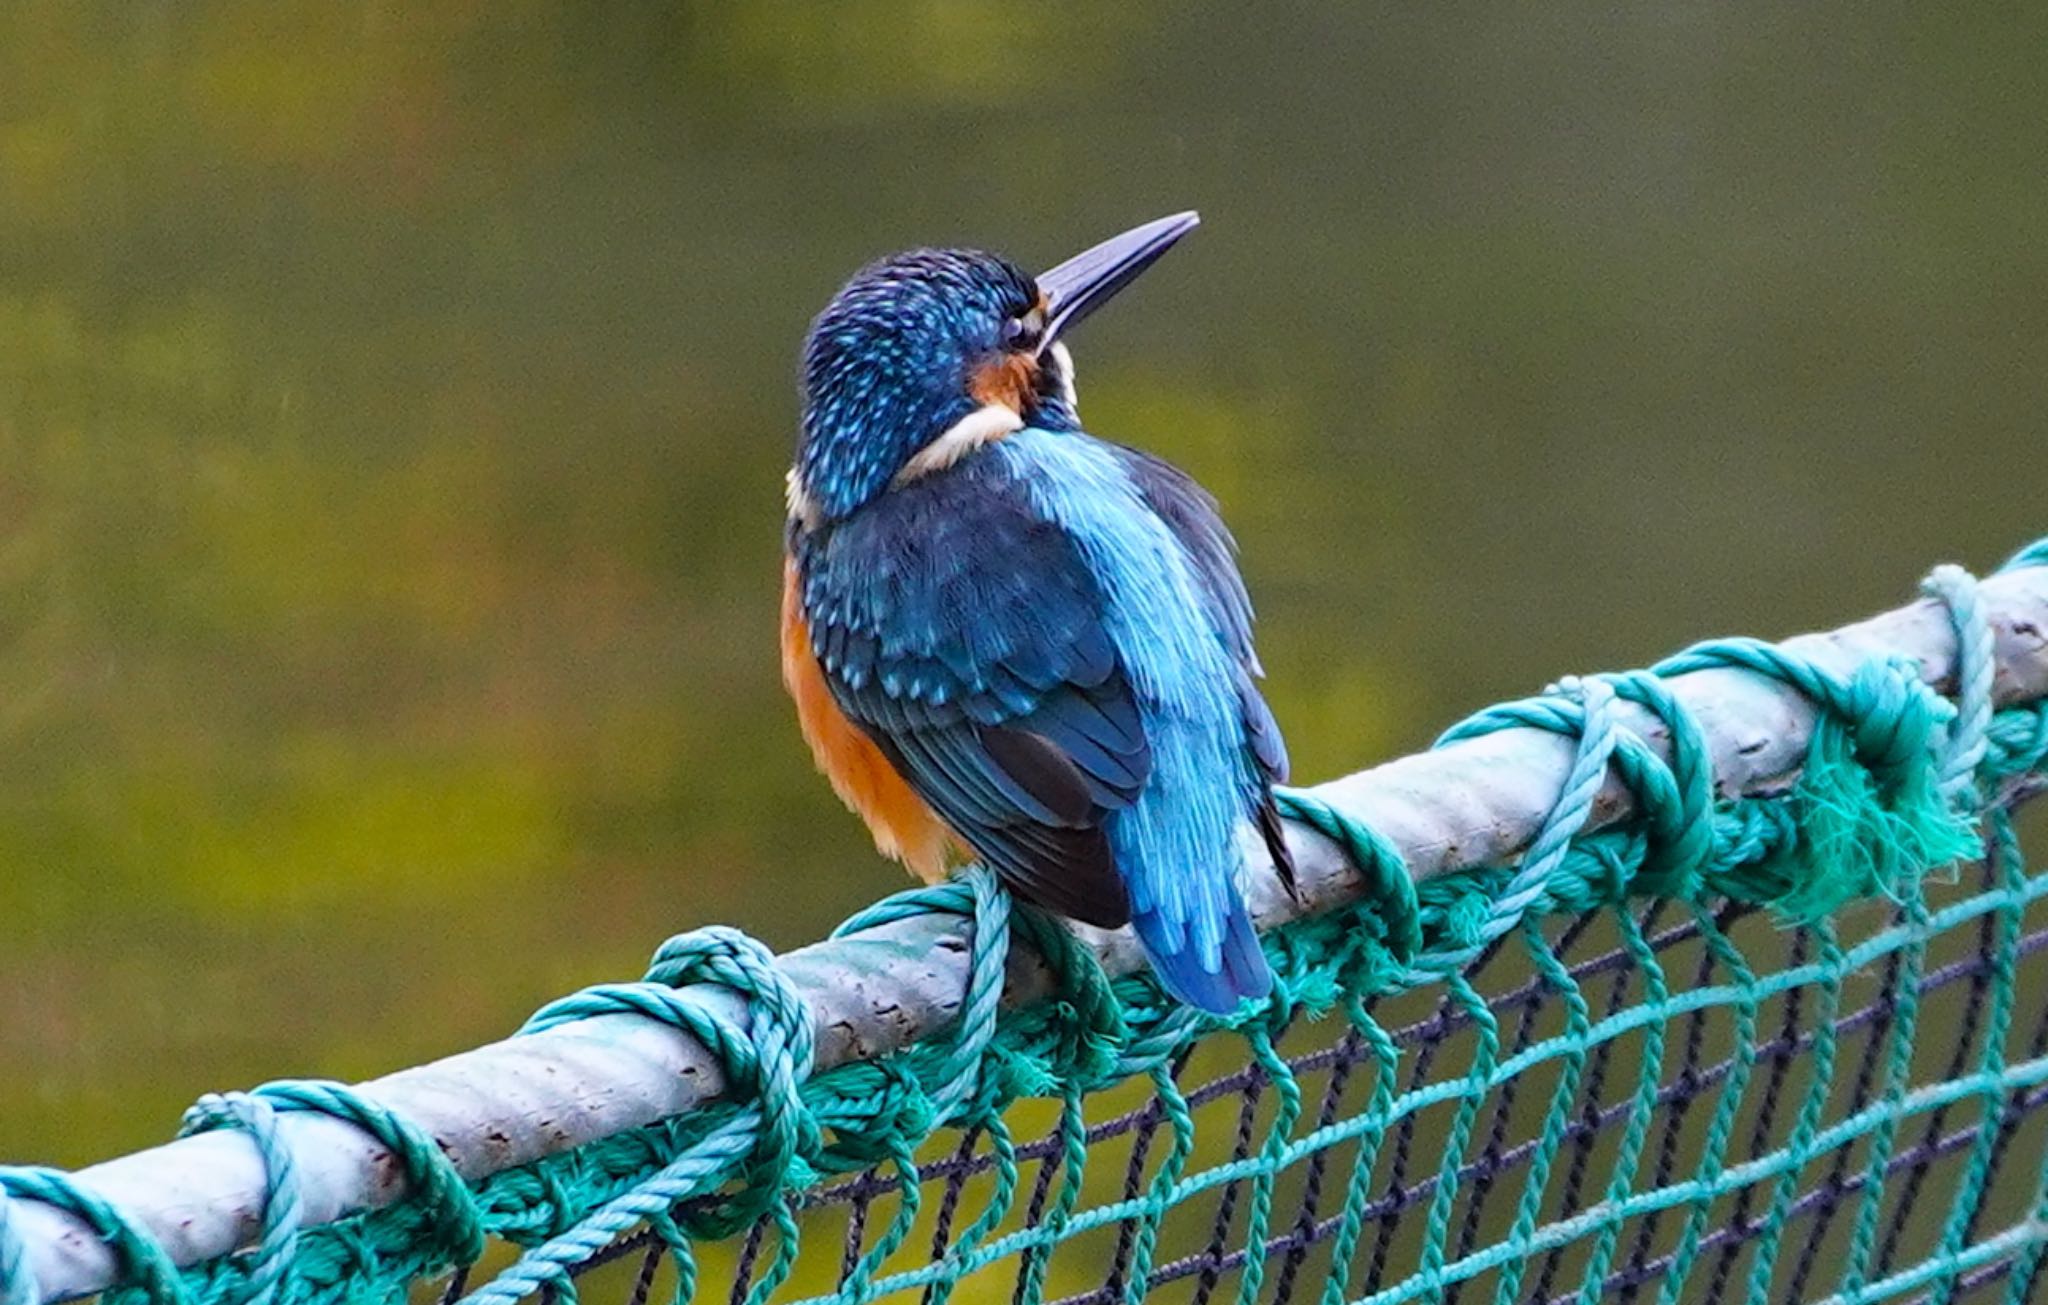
point(1010, 640)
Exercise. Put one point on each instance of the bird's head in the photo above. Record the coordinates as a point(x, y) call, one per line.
point(924, 356)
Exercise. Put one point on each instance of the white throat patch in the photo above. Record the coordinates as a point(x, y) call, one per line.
point(1066, 362)
point(803, 509)
point(985, 425)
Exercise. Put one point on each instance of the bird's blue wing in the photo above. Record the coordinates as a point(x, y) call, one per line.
point(1191, 513)
point(962, 632)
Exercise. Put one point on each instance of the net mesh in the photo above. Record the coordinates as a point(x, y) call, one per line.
point(1612, 1069)
point(1646, 1103)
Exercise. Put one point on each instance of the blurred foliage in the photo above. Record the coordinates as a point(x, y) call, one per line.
point(394, 398)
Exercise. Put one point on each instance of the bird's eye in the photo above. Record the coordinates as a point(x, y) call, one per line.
point(1022, 332)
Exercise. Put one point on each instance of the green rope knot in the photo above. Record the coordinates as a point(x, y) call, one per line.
point(1892, 720)
point(779, 1030)
point(764, 1060)
point(457, 1235)
point(773, 1143)
point(1600, 870)
point(1393, 914)
point(762, 1143)
point(869, 1107)
point(2016, 745)
point(1965, 745)
point(1867, 804)
point(1674, 801)
point(977, 895)
point(1077, 1035)
point(1584, 707)
point(1159, 1026)
point(283, 1210)
point(1678, 824)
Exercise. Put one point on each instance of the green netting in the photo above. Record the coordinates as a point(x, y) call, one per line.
point(1776, 1048)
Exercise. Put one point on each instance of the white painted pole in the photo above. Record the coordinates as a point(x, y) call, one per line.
point(515, 1101)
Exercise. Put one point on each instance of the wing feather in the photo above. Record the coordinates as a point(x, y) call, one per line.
point(962, 632)
point(1190, 512)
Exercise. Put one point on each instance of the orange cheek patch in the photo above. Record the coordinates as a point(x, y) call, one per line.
point(1010, 379)
point(903, 826)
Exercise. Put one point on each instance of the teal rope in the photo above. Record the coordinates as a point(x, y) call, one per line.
point(1674, 801)
point(1967, 744)
point(2007, 860)
point(1378, 1111)
point(2034, 554)
point(2026, 1263)
point(1164, 1192)
point(1749, 1173)
point(1387, 887)
point(458, 1237)
point(902, 1161)
point(1843, 1133)
point(770, 1061)
point(762, 1139)
point(1072, 1160)
point(457, 1233)
point(1649, 1076)
point(1472, 1092)
point(1898, 1073)
point(1082, 1036)
point(17, 1277)
point(1727, 1106)
point(1003, 1148)
point(1870, 808)
point(283, 1210)
point(1874, 786)
point(1557, 1115)
point(1260, 1210)
point(979, 897)
point(1886, 717)
point(1972, 745)
point(1891, 729)
point(142, 1257)
point(1598, 738)
point(1963, 754)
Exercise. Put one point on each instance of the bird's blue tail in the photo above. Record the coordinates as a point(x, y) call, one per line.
point(1242, 970)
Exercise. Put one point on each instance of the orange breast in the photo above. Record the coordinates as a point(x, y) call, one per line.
point(903, 826)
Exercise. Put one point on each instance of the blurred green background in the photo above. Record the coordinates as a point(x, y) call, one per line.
point(394, 401)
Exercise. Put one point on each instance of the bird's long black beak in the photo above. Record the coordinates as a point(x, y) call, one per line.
point(1087, 281)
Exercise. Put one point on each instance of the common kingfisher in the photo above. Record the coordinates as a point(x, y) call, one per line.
point(1011, 640)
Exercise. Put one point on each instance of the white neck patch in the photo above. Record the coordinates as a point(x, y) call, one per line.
point(1066, 362)
point(985, 425)
point(803, 509)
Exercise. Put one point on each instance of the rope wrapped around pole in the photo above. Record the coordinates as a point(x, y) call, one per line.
point(1481, 798)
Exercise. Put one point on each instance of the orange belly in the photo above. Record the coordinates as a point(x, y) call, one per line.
point(903, 826)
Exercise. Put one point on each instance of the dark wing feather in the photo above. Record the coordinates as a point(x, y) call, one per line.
point(961, 631)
